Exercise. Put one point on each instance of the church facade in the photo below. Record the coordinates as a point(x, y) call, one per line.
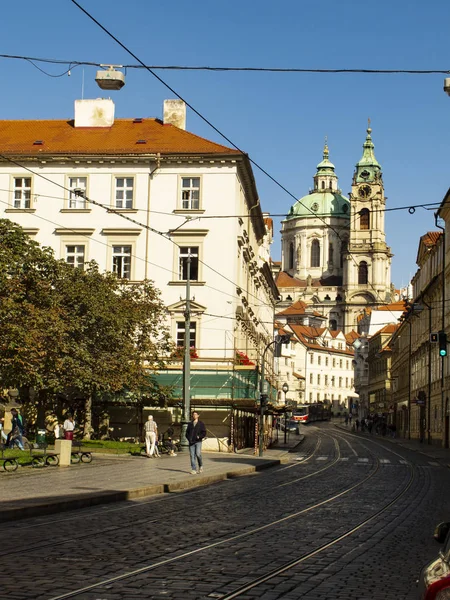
point(334, 252)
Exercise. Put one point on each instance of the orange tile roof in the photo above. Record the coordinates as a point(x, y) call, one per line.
point(351, 336)
point(61, 137)
point(297, 308)
point(430, 238)
point(306, 330)
point(400, 306)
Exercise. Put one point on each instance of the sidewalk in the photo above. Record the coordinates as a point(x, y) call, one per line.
point(434, 452)
point(33, 492)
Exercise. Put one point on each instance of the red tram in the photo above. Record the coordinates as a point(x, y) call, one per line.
point(308, 413)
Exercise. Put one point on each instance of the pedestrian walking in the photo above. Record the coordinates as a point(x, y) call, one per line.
point(346, 419)
point(195, 434)
point(69, 426)
point(357, 424)
point(151, 435)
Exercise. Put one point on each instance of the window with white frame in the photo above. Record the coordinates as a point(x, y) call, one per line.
point(75, 255)
point(121, 261)
point(124, 192)
point(77, 194)
point(181, 330)
point(185, 253)
point(22, 192)
point(190, 193)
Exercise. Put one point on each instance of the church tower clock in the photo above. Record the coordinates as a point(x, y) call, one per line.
point(367, 259)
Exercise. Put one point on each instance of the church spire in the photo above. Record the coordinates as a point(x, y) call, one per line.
point(367, 168)
point(325, 178)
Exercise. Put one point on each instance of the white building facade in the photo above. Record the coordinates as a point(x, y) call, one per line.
point(139, 196)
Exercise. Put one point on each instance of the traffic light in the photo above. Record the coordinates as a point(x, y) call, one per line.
point(442, 343)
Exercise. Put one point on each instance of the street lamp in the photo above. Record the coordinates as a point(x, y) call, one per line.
point(110, 79)
point(285, 389)
point(263, 395)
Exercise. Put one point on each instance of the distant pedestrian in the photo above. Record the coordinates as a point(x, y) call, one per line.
point(151, 435)
point(346, 419)
point(69, 426)
point(195, 434)
point(357, 424)
point(3, 436)
point(56, 431)
point(14, 437)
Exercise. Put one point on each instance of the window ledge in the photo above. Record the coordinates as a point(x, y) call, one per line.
point(183, 283)
point(189, 211)
point(122, 210)
point(20, 210)
point(75, 210)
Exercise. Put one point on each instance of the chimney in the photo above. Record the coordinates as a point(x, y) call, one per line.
point(94, 113)
point(175, 113)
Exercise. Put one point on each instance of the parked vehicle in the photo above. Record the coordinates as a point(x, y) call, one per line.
point(307, 413)
point(434, 581)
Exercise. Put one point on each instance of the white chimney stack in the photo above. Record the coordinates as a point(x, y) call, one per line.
point(94, 113)
point(175, 113)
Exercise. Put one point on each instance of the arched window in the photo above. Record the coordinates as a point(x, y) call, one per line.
point(291, 255)
point(363, 273)
point(315, 253)
point(333, 324)
point(323, 185)
point(330, 254)
point(364, 219)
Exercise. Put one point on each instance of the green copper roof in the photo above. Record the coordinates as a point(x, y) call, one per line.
point(325, 167)
point(368, 168)
point(321, 204)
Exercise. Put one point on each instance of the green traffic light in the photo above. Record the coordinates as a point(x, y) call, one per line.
point(442, 352)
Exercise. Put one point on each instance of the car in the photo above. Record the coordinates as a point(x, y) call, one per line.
point(434, 581)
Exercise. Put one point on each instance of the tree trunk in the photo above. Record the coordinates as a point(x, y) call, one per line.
point(87, 418)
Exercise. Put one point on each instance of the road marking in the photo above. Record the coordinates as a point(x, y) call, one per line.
point(433, 464)
point(344, 458)
point(403, 462)
point(384, 461)
point(322, 458)
point(363, 460)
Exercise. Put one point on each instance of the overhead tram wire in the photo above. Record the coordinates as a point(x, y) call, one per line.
point(208, 122)
point(79, 63)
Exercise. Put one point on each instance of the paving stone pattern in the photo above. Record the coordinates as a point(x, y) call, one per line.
point(246, 527)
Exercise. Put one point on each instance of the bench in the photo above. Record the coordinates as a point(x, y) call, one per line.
point(9, 464)
point(47, 459)
point(79, 455)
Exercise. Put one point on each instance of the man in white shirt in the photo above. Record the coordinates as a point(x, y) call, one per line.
point(151, 435)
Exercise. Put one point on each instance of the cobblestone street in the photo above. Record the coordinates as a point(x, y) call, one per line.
point(346, 517)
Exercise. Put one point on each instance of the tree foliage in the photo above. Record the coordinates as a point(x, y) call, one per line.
point(64, 328)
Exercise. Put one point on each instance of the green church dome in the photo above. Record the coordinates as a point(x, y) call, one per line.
point(322, 204)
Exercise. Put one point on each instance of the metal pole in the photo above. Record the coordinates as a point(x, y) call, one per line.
point(262, 399)
point(187, 358)
point(436, 215)
point(409, 383)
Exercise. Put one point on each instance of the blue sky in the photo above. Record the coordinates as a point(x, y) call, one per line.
point(279, 119)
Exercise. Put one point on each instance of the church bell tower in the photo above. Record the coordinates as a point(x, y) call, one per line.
point(367, 277)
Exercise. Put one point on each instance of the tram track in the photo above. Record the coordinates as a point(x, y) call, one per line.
point(154, 501)
point(146, 521)
point(254, 531)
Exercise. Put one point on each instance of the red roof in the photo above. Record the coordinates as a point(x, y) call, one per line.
point(430, 238)
point(297, 308)
point(400, 306)
point(351, 336)
point(124, 137)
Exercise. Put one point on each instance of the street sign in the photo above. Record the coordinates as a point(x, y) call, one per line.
point(420, 402)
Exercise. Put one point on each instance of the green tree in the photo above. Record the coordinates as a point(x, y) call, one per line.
point(68, 330)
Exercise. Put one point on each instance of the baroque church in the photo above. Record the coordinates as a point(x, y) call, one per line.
point(334, 252)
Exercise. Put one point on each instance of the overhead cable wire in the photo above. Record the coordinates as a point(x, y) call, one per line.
point(77, 63)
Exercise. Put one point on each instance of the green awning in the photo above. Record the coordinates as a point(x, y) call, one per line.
point(231, 385)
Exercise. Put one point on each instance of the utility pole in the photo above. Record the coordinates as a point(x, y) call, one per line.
point(443, 430)
point(186, 416)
